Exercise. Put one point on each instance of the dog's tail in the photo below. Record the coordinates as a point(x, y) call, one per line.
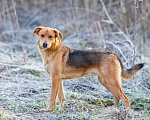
point(129, 73)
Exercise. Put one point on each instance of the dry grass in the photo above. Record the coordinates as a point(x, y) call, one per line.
point(25, 86)
point(25, 89)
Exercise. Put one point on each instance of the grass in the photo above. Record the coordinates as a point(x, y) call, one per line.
point(25, 91)
point(31, 93)
point(140, 104)
point(6, 115)
point(25, 86)
point(77, 106)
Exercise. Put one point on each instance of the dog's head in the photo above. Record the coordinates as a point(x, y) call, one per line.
point(47, 37)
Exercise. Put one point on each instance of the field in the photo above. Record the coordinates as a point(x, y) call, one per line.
point(25, 89)
point(24, 84)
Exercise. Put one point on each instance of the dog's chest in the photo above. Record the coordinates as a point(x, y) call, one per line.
point(46, 59)
point(47, 69)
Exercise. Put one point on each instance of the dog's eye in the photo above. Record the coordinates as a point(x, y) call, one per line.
point(50, 36)
point(42, 35)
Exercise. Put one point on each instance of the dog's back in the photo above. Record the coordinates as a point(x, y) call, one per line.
point(86, 58)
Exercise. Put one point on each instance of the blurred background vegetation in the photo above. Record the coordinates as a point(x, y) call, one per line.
point(84, 23)
point(121, 26)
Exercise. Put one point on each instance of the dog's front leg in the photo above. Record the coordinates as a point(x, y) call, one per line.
point(56, 79)
point(61, 95)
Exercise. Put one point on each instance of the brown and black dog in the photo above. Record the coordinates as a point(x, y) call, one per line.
point(62, 62)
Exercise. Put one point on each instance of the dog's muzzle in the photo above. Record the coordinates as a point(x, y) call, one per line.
point(44, 45)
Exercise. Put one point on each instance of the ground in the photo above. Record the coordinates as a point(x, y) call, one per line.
point(25, 86)
point(25, 89)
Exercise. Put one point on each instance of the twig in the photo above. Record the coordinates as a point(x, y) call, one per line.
point(123, 43)
point(102, 35)
point(82, 16)
point(73, 16)
point(110, 21)
point(19, 66)
point(135, 4)
point(17, 23)
point(118, 50)
point(4, 17)
point(10, 22)
point(134, 36)
point(15, 31)
point(33, 16)
point(7, 9)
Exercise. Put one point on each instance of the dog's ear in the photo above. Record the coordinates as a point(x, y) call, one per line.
point(58, 35)
point(36, 30)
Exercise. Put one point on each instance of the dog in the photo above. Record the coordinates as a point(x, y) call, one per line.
point(62, 62)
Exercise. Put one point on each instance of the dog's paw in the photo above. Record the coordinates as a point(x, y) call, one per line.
point(61, 103)
point(45, 110)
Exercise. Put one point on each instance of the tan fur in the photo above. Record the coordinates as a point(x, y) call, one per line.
point(62, 62)
point(129, 73)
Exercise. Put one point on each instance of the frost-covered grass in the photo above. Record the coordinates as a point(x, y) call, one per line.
point(25, 86)
point(25, 90)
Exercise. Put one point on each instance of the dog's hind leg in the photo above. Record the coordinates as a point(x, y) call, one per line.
point(110, 78)
point(114, 86)
point(115, 93)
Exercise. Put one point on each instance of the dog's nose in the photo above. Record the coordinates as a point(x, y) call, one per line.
point(44, 45)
